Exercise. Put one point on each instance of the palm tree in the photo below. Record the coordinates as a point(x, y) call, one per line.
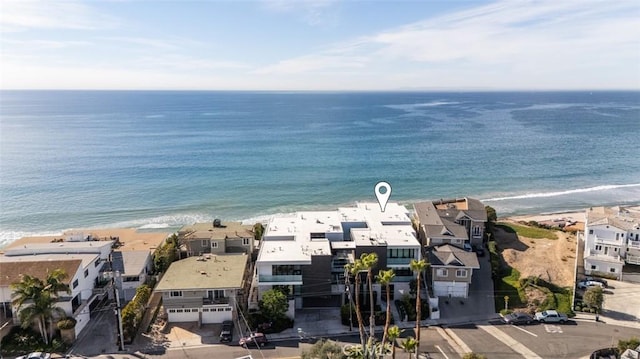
point(409, 345)
point(354, 269)
point(393, 333)
point(40, 297)
point(369, 260)
point(418, 266)
point(385, 277)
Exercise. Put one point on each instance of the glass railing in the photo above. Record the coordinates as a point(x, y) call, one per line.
point(263, 278)
point(399, 260)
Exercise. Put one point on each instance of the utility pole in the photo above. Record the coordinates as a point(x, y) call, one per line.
point(118, 314)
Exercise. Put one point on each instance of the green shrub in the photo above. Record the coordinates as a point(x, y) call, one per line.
point(67, 323)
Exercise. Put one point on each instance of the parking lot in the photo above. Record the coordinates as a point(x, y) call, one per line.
point(622, 301)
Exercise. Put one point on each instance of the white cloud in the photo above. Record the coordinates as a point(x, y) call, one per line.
point(18, 15)
point(312, 12)
point(555, 44)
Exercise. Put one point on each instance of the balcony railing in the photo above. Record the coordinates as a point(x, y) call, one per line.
point(399, 261)
point(403, 278)
point(263, 278)
point(631, 259)
point(208, 301)
point(634, 244)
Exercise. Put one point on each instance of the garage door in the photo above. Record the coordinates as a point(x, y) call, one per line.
point(445, 289)
point(183, 315)
point(216, 315)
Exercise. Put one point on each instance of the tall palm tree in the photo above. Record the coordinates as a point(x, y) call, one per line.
point(385, 277)
point(36, 300)
point(418, 266)
point(369, 260)
point(394, 333)
point(354, 269)
point(409, 345)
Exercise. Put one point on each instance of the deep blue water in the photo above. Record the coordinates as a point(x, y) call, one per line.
point(71, 159)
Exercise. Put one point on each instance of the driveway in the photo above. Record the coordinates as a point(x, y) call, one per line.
point(621, 301)
point(479, 305)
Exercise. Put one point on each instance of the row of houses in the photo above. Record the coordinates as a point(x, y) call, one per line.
point(305, 254)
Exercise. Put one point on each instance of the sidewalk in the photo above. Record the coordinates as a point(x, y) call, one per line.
point(607, 320)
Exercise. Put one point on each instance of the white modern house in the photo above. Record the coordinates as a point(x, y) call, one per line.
point(82, 261)
point(305, 253)
point(612, 240)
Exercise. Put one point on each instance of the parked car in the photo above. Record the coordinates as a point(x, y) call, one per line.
point(551, 316)
point(518, 318)
point(467, 247)
point(226, 334)
point(479, 250)
point(601, 280)
point(589, 283)
point(36, 355)
point(254, 339)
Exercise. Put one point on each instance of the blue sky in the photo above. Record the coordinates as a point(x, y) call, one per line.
point(320, 45)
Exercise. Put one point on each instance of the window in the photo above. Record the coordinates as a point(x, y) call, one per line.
point(461, 273)
point(97, 263)
point(131, 278)
point(598, 248)
point(172, 310)
point(442, 273)
point(593, 267)
point(245, 241)
point(476, 230)
point(612, 270)
point(391, 292)
point(227, 309)
point(317, 235)
point(205, 242)
point(187, 310)
point(591, 231)
point(204, 310)
point(86, 273)
point(179, 310)
point(214, 244)
point(176, 293)
point(221, 309)
point(75, 284)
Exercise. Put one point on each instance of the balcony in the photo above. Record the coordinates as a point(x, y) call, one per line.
point(634, 244)
point(399, 261)
point(210, 301)
point(280, 279)
point(631, 259)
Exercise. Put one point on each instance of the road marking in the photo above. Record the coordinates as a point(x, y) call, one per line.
point(552, 328)
point(441, 351)
point(456, 343)
point(524, 330)
point(510, 342)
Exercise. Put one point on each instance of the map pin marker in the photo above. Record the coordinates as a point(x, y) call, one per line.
point(383, 192)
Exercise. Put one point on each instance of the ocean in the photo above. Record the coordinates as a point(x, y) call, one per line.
point(161, 159)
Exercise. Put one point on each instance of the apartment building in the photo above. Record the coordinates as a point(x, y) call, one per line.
point(305, 253)
point(612, 240)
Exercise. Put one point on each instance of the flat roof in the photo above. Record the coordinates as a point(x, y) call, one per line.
point(130, 238)
point(85, 258)
point(129, 262)
point(301, 224)
point(292, 251)
point(226, 230)
point(205, 272)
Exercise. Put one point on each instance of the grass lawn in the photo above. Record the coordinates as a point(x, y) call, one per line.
point(509, 285)
point(526, 231)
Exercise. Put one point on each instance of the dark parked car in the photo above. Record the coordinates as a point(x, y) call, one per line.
point(226, 334)
point(479, 250)
point(254, 339)
point(518, 318)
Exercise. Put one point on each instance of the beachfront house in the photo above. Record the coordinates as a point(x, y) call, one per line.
point(451, 270)
point(457, 221)
point(81, 261)
point(205, 289)
point(611, 240)
point(130, 269)
point(305, 253)
point(217, 237)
